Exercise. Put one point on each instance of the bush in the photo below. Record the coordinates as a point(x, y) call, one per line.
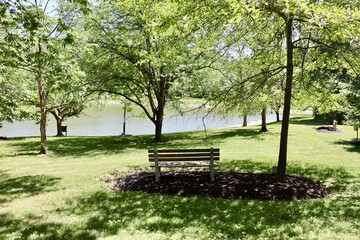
point(329, 117)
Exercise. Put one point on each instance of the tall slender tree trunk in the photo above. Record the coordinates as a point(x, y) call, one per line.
point(263, 121)
point(42, 96)
point(43, 110)
point(124, 119)
point(245, 120)
point(281, 168)
point(42, 103)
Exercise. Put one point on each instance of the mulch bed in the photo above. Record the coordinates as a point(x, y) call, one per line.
point(324, 129)
point(227, 185)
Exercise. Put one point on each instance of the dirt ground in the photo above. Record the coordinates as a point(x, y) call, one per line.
point(227, 185)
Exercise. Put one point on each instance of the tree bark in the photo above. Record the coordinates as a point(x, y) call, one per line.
point(158, 132)
point(245, 120)
point(277, 109)
point(281, 168)
point(42, 104)
point(263, 121)
point(59, 127)
point(124, 119)
point(158, 123)
point(159, 117)
point(277, 116)
point(161, 99)
point(59, 121)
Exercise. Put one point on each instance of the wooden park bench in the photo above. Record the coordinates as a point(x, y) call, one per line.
point(173, 158)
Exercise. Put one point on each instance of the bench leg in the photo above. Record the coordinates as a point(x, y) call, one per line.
point(212, 173)
point(157, 174)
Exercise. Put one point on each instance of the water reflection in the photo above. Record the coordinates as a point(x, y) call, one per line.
point(109, 121)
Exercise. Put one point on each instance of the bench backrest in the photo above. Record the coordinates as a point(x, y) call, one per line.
point(181, 155)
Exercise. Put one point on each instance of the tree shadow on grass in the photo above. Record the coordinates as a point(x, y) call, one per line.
point(225, 219)
point(37, 228)
point(350, 146)
point(80, 146)
point(239, 132)
point(140, 215)
point(25, 186)
point(306, 121)
point(212, 218)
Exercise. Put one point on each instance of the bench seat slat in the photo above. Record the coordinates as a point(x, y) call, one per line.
point(175, 155)
point(184, 164)
point(183, 150)
point(183, 159)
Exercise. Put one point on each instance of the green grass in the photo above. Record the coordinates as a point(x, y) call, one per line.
point(62, 195)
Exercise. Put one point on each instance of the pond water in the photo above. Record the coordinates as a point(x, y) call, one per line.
point(108, 121)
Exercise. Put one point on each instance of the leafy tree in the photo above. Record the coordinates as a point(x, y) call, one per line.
point(143, 50)
point(306, 25)
point(32, 43)
point(69, 100)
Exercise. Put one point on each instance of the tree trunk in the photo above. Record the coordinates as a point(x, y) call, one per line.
point(42, 105)
point(59, 121)
point(245, 120)
point(161, 99)
point(281, 168)
point(263, 121)
point(277, 116)
point(158, 132)
point(124, 119)
point(159, 122)
point(59, 127)
point(42, 96)
point(277, 110)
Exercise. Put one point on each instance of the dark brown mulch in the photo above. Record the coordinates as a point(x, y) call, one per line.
point(227, 185)
point(328, 129)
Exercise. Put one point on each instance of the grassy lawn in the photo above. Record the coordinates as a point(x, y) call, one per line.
point(62, 195)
